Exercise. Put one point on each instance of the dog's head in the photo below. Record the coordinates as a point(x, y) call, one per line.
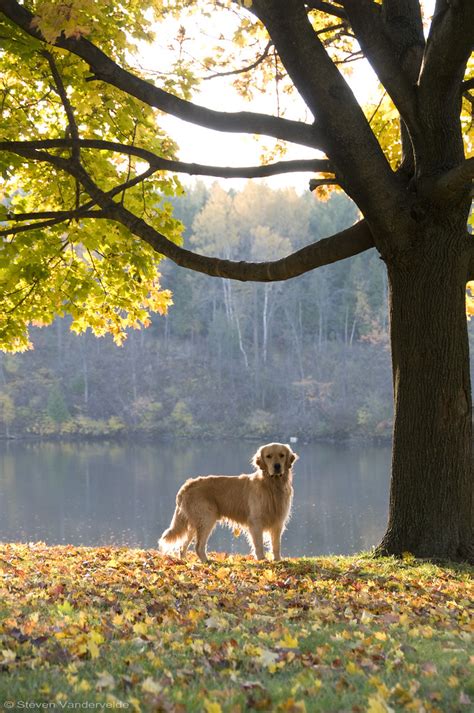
point(274, 459)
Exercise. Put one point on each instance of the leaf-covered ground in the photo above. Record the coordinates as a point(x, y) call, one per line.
point(123, 628)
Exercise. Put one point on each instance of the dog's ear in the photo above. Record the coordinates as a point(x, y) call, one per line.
point(291, 457)
point(257, 460)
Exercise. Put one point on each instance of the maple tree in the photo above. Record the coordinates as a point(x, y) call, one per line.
point(86, 222)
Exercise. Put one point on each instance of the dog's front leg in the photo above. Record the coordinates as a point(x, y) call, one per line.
point(256, 533)
point(276, 539)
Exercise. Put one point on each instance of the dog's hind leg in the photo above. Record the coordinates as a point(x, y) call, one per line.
point(185, 544)
point(203, 531)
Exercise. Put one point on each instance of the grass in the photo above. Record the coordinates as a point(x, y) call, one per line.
point(118, 628)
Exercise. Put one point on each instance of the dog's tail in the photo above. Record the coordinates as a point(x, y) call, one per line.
point(176, 532)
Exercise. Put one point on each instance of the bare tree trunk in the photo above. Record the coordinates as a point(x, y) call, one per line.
point(266, 292)
point(2, 370)
point(233, 317)
point(256, 356)
point(59, 346)
point(297, 342)
point(431, 500)
point(133, 360)
point(85, 369)
point(167, 332)
point(241, 343)
point(226, 286)
point(352, 332)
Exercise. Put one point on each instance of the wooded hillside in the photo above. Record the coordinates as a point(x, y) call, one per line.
point(229, 358)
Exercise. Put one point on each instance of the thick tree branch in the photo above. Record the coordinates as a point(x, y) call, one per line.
point(194, 169)
point(447, 51)
point(337, 247)
point(107, 70)
point(345, 244)
point(342, 245)
point(367, 21)
point(359, 162)
point(449, 45)
point(453, 185)
point(404, 23)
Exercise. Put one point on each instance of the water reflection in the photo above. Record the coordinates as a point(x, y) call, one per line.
point(97, 494)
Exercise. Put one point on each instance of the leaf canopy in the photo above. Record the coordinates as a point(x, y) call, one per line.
point(89, 267)
point(63, 252)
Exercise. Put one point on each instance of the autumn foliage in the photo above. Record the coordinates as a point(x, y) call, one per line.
point(136, 630)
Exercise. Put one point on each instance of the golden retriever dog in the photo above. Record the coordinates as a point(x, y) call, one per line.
point(260, 503)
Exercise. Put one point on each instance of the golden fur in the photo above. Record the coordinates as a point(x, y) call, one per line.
point(260, 503)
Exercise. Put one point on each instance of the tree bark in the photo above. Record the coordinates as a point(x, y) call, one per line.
point(431, 498)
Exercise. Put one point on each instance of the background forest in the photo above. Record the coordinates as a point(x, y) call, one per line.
point(307, 357)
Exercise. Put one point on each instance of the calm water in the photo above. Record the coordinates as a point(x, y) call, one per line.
point(97, 494)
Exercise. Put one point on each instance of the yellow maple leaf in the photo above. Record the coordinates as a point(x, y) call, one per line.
point(93, 650)
point(65, 608)
point(222, 573)
point(94, 640)
point(294, 706)
point(288, 641)
point(352, 668)
point(212, 707)
point(195, 614)
point(140, 628)
point(376, 704)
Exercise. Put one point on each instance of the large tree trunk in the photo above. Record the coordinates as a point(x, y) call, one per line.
point(431, 499)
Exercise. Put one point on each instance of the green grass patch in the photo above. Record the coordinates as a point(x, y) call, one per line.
point(117, 628)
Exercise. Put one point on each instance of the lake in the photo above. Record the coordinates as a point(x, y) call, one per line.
point(124, 494)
